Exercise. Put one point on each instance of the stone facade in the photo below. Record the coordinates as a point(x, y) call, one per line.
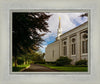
point(73, 44)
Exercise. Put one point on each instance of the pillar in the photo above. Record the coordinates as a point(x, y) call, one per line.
point(78, 46)
point(68, 47)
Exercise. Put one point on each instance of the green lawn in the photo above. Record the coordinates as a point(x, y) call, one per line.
point(19, 67)
point(67, 68)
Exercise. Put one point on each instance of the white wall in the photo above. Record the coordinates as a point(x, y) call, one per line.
point(49, 56)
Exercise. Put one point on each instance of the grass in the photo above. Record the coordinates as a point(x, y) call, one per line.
point(67, 68)
point(19, 67)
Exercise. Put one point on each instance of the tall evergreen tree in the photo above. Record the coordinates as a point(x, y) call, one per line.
point(25, 27)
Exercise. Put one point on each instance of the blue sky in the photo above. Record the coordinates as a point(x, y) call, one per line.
point(68, 22)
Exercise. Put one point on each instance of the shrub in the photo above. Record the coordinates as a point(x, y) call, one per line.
point(63, 61)
point(81, 62)
point(39, 62)
point(50, 62)
point(19, 61)
point(30, 62)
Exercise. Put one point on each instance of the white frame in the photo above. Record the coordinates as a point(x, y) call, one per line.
point(37, 78)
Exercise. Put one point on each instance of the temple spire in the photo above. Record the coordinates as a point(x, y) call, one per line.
point(59, 23)
point(59, 30)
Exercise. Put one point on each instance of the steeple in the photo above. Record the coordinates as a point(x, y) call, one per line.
point(59, 30)
point(59, 23)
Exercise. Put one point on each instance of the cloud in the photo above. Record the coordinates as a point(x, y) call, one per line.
point(76, 19)
point(68, 22)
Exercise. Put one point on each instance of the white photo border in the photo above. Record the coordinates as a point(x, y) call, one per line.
point(11, 78)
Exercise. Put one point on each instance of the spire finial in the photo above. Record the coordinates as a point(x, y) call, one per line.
point(59, 22)
point(59, 29)
point(59, 17)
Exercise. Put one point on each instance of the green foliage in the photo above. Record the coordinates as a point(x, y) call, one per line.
point(38, 59)
point(25, 27)
point(63, 61)
point(81, 62)
point(30, 58)
point(30, 62)
point(19, 67)
point(67, 68)
point(50, 62)
point(25, 34)
point(39, 62)
point(20, 61)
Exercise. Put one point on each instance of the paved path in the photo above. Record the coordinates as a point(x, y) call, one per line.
point(38, 68)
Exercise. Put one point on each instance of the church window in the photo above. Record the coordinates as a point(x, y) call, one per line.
point(73, 47)
point(85, 36)
point(64, 47)
point(64, 43)
point(73, 40)
point(65, 50)
point(85, 44)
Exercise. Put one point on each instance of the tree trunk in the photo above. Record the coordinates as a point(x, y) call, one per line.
point(15, 61)
point(24, 62)
point(27, 61)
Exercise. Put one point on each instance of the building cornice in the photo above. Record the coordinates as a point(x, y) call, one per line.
point(75, 28)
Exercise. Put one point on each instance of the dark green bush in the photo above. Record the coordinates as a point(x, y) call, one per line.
point(63, 61)
point(50, 62)
point(81, 62)
point(39, 62)
point(19, 61)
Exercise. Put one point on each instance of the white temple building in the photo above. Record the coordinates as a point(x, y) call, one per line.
point(73, 44)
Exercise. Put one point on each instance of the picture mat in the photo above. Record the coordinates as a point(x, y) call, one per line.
point(7, 78)
point(51, 11)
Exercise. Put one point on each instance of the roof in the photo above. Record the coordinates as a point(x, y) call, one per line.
point(69, 31)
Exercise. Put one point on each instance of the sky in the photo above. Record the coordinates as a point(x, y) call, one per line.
point(68, 22)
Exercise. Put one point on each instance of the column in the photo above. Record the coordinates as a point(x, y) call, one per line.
point(61, 48)
point(78, 46)
point(68, 47)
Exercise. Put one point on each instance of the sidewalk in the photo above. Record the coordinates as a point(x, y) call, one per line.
point(38, 68)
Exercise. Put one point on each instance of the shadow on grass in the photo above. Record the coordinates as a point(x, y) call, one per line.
point(18, 68)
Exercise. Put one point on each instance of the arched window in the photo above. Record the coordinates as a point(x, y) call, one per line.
point(85, 43)
point(65, 48)
point(73, 46)
point(64, 42)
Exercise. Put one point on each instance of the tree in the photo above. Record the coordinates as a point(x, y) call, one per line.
point(25, 35)
point(83, 15)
